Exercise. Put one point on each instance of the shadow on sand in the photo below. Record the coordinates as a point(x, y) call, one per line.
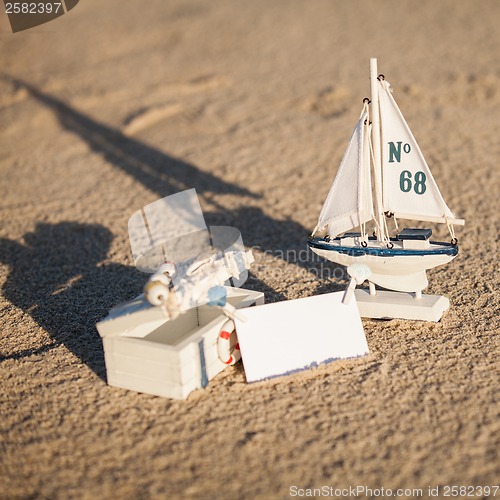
point(56, 277)
point(66, 292)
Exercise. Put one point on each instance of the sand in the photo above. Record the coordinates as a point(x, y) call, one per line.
point(117, 104)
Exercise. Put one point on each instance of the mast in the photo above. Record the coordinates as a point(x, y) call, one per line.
point(377, 156)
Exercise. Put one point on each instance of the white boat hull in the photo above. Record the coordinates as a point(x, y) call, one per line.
point(399, 270)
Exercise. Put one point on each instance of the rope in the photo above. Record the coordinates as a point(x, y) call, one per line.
point(364, 234)
point(381, 232)
point(362, 226)
point(451, 229)
point(395, 223)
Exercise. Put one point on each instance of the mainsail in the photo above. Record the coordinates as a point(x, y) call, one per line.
point(349, 202)
point(409, 189)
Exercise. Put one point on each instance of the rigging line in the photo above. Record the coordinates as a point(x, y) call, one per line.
point(364, 234)
point(383, 234)
point(386, 228)
point(395, 222)
point(380, 231)
point(367, 131)
point(451, 229)
point(365, 109)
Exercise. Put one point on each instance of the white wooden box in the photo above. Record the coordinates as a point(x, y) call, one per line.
point(145, 352)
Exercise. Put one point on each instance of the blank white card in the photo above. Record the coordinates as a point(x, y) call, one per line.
point(280, 338)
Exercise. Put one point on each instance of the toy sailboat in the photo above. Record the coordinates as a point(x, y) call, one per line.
point(403, 187)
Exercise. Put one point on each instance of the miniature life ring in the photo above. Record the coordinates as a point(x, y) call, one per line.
point(156, 292)
point(224, 352)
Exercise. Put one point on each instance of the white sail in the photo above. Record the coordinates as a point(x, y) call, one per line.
point(349, 202)
point(409, 189)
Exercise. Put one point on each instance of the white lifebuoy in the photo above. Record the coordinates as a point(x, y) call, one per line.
point(224, 352)
point(156, 293)
point(156, 289)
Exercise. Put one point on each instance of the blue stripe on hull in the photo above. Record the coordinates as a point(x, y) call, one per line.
point(445, 249)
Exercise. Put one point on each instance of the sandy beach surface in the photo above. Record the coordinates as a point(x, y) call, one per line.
point(117, 104)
